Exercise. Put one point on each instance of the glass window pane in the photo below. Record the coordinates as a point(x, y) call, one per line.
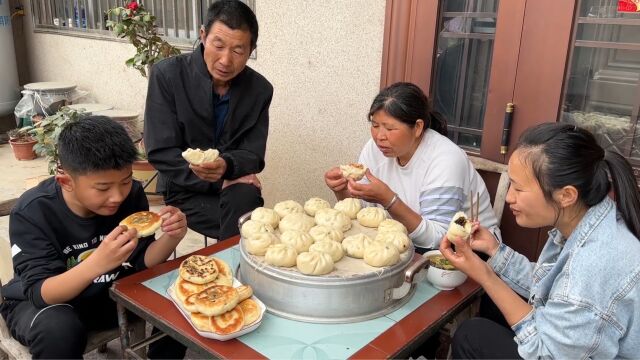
point(462, 67)
point(602, 9)
point(605, 32)
point(602, 92)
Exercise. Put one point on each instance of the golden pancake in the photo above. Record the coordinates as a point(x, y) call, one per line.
point(229, 322)
point(244, 292)
point(216, 300)
point(201, 322)
point(225, 275)
point(146, 222)
point(190, 303)
point(251, 311)
point(199, 269)
point(183, 288)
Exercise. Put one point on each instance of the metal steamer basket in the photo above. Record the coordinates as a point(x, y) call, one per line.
point(332, 298)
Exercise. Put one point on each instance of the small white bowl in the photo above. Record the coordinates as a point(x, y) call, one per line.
point(443, 279)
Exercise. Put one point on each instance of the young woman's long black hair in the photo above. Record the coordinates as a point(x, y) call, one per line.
point(563, 154)
point(407, 103)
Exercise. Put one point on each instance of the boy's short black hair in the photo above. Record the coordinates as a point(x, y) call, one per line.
point(95, 143)
point(236, 15)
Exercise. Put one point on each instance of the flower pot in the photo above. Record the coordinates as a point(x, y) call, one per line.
point(128, 119)
point(144, 172)
point(23, 150)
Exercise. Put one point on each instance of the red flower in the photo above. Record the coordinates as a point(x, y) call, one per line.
point(133, 6)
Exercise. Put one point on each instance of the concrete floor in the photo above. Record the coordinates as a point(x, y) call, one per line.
point(19, 176)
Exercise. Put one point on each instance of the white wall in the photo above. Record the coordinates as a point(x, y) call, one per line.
point(322, 57)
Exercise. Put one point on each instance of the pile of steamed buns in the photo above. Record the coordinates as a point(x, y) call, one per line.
point(311, 237)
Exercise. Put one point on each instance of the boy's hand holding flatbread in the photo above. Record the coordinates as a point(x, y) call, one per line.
point(113, 250)
point(174, 222)
point(146, 222)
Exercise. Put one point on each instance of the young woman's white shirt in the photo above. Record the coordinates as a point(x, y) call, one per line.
point(435, 183)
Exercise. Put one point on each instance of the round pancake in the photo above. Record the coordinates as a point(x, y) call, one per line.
point(225, 274)
point(190, 304)
point(199, 269)
point(201, 322)
point(183, 288)
point(229, 322)
point(244, 292)
point(146, 222)
point(216, 300)
point(251, 311)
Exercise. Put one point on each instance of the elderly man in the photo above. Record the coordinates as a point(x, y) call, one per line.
point(210, 98)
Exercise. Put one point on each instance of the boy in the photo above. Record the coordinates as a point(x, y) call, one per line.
point(68, 248)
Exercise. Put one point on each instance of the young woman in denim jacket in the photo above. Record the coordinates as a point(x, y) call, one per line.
point(584, 291)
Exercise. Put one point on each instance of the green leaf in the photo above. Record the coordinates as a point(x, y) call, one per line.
point(116, 11)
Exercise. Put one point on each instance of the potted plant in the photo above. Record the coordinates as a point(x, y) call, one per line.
point(22, 143)
point(135, 23)
point(47, 131)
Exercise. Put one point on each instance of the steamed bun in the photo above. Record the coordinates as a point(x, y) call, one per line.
point(265, 215)
point(298, 239)
point(296, 221)
point(371, 216)
point(281, 255)
point(388, 225)
point(321, 232)
point(252, 227)
point(349, 206)
point(258, 243)
point(459, 226)
point(199, 157)
point(314, 263)
point(354, 171)
point(287, 207)
point(399, 239)
point(314, 204)
point(333, 218)
point(332, 248)
point(380, 254)
point(354, 245)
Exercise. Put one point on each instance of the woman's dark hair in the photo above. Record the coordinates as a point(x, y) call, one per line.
point(563, 154)
point(407, 103)
point(95, 143)
point(234, 14)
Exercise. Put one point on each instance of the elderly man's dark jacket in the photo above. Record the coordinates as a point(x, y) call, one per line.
point(179, 114)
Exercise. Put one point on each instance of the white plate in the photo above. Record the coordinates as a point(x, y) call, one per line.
point(212, 335)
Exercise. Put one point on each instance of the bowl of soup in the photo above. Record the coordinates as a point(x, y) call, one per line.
point(441, 274)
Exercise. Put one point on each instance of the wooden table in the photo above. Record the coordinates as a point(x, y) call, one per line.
point(399, 340)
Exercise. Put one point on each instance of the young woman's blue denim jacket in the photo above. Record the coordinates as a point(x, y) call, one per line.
point(585, 291)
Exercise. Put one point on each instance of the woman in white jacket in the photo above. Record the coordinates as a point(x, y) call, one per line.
point(419, 176)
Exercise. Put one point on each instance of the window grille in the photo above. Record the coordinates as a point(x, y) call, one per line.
point(178, 21)
point(602, 86)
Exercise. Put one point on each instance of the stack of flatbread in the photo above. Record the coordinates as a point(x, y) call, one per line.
point(204, 288)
